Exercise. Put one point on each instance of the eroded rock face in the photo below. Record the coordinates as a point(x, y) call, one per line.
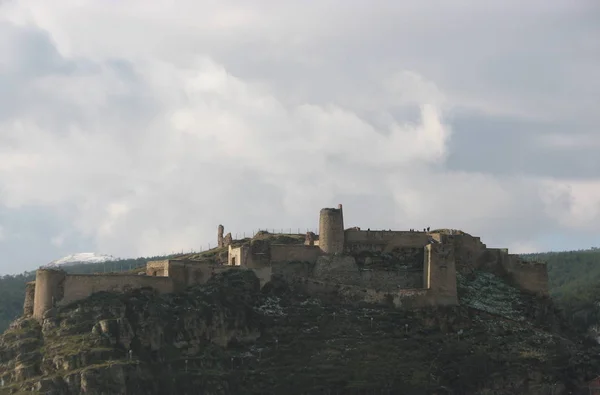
point(98, 345)
point(231, 337)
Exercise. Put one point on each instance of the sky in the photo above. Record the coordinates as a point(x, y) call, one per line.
point(135, 128)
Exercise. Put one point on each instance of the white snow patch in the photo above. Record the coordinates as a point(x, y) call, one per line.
point(81, 257)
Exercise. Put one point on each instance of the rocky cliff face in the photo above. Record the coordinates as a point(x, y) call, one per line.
point(230, 337)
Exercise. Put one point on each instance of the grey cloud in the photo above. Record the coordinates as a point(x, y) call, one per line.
point(505, 146)
point(157, 129)
point(28, 233)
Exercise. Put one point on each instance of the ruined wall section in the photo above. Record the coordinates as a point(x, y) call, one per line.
point(29, 299)
point(294, 252)
point(331, 230)
point(238, 256)
point(81, 286)
point(259, 254)
point(382, 240)
point(158, 268)
point(469, 252)
point(310, 239)
point(351, 294)
point(440, 279)
point(188, 273)
point(529, 276)
point(220, 240)
point(49, 289)
point(345, 270)
point(472, 254)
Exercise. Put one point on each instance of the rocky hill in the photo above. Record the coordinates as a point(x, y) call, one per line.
point(231, 337)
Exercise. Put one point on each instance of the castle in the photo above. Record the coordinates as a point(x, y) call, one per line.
point(406, 269)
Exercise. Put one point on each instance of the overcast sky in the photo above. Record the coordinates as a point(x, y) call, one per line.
point(135, 127)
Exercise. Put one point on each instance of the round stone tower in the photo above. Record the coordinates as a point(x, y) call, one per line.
point(331, 230)
point(49, 289)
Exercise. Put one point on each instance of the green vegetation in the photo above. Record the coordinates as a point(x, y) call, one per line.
point(574, 278)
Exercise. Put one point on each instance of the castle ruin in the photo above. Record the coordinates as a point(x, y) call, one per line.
point(406, 269)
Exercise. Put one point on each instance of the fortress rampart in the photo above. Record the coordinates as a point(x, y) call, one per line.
point(54, 287)
point(472, 254)
point(383, 240)
point(80, 286)
point(400, 268)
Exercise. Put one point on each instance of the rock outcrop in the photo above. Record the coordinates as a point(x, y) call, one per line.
point(230, 337)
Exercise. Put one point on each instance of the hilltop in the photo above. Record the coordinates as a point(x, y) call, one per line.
point(230, 337)
point(244, 333)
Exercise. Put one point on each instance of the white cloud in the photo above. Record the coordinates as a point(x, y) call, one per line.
point(157, 123)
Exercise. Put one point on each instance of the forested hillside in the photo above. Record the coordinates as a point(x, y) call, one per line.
point(574, 283)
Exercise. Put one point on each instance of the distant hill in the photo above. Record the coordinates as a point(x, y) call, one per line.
point(574, 283)
point(82, 257)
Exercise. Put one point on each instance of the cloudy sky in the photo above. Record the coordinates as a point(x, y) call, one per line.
point(134, 127)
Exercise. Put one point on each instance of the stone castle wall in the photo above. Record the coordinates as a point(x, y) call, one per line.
point(351, 294)
point(261, 253)
point(529, 276)
point(345, 270)
point(472, 254)
point(54, 287)
point(294, 252)
point(383, 240)
point(440, 274)
point(238, 256)
point(157, 268)
point(391, 277)
point(81, 286)
point(187, 273)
